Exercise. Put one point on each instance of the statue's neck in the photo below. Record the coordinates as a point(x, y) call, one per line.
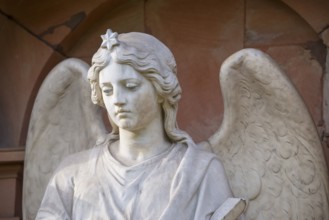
point(136, 146)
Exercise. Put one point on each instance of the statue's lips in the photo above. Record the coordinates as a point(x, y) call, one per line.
point(122, 112)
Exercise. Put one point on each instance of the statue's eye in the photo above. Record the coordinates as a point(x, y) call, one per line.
point(132, 85)
point(107, 90)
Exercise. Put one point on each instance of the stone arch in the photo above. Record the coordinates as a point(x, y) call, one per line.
point(73, 45)
point(315, 13)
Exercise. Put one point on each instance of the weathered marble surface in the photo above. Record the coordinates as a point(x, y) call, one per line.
point(63, 121)
point(147, 168)
point(267, 142)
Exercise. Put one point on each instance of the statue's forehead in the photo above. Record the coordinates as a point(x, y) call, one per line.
point(118, 72)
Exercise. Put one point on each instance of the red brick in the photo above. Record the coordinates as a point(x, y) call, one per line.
point(21, 64)
point(273, 23)
point(306, 74)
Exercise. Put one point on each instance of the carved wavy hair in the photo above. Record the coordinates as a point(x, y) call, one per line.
point(155, 62)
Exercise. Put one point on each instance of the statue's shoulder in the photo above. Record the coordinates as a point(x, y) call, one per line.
point(79, 162)
point(203, 159)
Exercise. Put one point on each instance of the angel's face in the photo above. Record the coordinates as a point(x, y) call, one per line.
point(130, 99)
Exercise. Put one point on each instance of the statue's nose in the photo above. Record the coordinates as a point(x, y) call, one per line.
point(118, 98)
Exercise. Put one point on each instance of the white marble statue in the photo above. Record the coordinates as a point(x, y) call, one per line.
point(63, 121)
point(147, 168)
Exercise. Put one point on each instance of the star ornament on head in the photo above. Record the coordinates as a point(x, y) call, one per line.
point(109, 39)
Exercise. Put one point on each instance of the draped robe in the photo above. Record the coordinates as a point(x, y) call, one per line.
point(181, 183)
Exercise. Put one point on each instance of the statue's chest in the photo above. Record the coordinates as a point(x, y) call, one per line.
point(135, 194)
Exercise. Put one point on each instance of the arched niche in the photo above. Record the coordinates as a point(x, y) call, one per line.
point(201, 35)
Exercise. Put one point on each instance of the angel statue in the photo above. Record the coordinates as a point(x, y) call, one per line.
point(266, 151)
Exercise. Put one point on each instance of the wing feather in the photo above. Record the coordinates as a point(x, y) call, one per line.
point(63, 121)
point(268, 142)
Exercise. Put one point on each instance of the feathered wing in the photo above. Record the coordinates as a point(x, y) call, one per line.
point(63, 121)
point(268, 142)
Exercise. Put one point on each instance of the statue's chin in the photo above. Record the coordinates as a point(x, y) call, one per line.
point(128, 124)
point(125, 124)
